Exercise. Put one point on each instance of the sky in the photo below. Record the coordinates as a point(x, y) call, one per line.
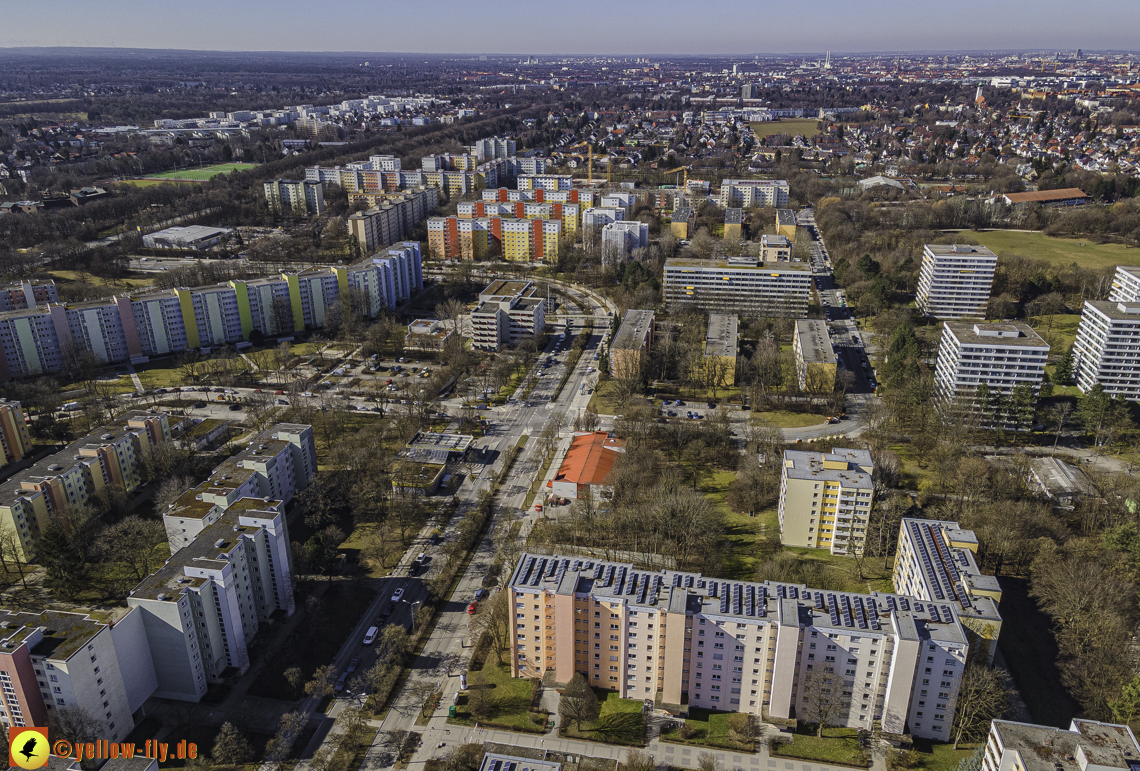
point(619, 27)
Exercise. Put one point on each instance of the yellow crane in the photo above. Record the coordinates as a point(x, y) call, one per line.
point(680, 169)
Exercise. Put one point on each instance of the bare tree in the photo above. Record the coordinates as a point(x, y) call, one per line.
point(322, 684)
point(823, 698)
point(422, 693)
point(578, 703)
point(133, 543)
point(983, 696)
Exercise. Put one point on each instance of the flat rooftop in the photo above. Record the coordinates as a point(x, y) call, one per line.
point(1044, 748)
point(815, 342)
point(770, 266)
point(804, 464)
point(680, 592)
point(504, 288)
point(1060, 478)
point(733, 216)
point(721, 337)
point(960, 250)
point(1009, 334)
point(450, 442)
point(1116, 311)
point(63, 633)
point(785, 217)
point(189, 232)
point(634, 327)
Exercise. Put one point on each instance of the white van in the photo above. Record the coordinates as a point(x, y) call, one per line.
point(370, 635)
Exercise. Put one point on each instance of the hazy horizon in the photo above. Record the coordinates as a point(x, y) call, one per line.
point(587, 28)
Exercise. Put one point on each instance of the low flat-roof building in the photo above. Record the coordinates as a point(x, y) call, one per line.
point(428, 335)
point(413, 477)
point(587, 466)
point(1062, 483)
point(438, 448)
point(186, 237)
point(773, 247)
point(630, 346)
point(815, 356)
point(1066, 196)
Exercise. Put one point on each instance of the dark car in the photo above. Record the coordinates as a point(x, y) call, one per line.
point(712, 405)
point(235, 407)
point(199, 405)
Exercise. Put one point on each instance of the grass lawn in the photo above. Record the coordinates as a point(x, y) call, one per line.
point(838, 745)
point(202, 174)
point(316, 639)
point(917, 475)
point(1059, 251)
point(1061, 333)
point(941, 756)
point(119, 385)
point(510, 700)
point(808, 127)
point(134, 279)
point(784, 419)
point(878, 578)
point(620, 722)
point(160, 377)
point(711, 730)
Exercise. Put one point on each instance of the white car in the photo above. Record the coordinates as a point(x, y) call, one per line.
point(396, 595)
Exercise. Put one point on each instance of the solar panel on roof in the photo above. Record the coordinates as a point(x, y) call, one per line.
point(700, 584)
point(946, 612)
point(904, 603)
point(793, 593)
point(676, 579)
point(552, 568)
point(712, 588)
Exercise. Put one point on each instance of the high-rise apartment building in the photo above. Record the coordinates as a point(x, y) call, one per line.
point(508, 311)
point(619, 239)
point(718, 366)
point(937, 562)
point(111, 456)
point(134, 328)
point(825, 499)
point(476, 237)
point(392, 218)
point(1006, 358)
point(1125, 285)
point(630, 346)
point(493, 147)
point(27, 294)
point(738, 646)
point(1107, 349)
point(548, 182)
point(14, 436)
point(53, 660)
point(742, 285)
point(746, 193)
point(955, 280)
point(291, 196)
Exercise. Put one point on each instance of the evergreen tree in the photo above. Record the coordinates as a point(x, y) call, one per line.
point(1063, 372)
point(900, 364)
point(231, 747)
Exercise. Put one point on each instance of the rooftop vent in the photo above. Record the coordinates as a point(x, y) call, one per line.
point(161, 597)
point(219, 543)
point(107, 436)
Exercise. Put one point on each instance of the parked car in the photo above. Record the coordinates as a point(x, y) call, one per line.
point(352, 665)
point(472, 608)
point(396, 595)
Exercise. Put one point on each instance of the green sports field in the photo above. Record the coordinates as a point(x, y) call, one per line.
point(202, 174)
point(1059, 251)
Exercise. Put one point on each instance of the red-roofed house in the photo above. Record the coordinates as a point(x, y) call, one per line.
point(587, 465)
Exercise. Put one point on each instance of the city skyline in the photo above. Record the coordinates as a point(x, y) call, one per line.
point(638, 30)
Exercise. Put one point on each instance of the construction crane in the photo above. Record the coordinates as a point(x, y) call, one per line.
point(678, 170)
point(590, 166)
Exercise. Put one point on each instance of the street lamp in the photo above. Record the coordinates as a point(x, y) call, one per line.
point(413, 604)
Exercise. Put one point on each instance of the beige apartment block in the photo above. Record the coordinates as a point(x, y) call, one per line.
point(815, 356)
point(825, 499)
point(1087, 745)
point(737, 646)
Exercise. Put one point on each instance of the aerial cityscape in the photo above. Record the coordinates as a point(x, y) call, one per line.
point(640, 401)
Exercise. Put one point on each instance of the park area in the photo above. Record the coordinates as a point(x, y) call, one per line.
point(201, 174)
point(1058, 251)
point(838, 745)
point(713, 729)
point(495, 699)
point(620, 721)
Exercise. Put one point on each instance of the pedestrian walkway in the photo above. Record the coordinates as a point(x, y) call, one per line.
point(135, 378)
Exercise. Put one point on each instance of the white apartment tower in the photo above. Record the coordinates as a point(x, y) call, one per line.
point(955, 281)
point(1107, 348)
point(1001, 356)
point(1125, 285)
